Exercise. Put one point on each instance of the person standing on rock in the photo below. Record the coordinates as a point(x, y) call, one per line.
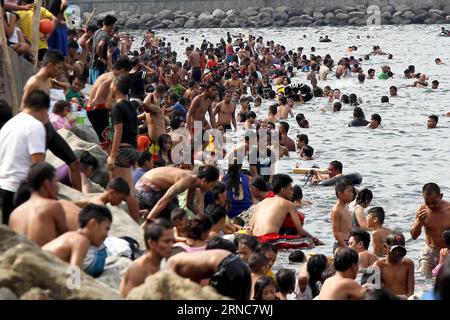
point(434, 215)
point(123, 154)
point(100, 44)
point(159, 239)
point(194, 62)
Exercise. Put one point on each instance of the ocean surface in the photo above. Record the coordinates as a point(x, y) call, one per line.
point(395, 161)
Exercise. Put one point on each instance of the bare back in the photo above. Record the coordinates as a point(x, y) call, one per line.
point(269, 215)
point(340, 288)
point(165, 177)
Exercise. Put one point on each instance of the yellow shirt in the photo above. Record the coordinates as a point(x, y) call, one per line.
point(26, 24)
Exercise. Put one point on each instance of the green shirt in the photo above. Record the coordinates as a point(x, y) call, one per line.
point(72, 94)
point(383, 76)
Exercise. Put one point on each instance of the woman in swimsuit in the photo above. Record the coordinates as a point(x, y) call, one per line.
point(362, 201)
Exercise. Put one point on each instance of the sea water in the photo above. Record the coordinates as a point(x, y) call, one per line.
point(395, 161)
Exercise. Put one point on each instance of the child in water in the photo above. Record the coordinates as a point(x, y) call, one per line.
point(179, 220)
point(444, 253)
point(265, 289)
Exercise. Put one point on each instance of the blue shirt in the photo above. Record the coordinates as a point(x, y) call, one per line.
point(115, 55)
point(137, 174)
point(179, 108)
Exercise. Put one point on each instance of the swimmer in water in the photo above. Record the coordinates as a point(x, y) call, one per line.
point(438, 61)
point(432, 121)
point(434, 84)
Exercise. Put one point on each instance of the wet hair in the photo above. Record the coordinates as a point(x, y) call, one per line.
point(361, 77)
point(431, 189)
point(280, 181)
point(395, 238)
point(273, 109)
point(53, 56)
point(376, 117)
point(337, 165)
point(361, 235)
point(198, 226)
point(370, 70)
point(144, 156)
point(120, 185)
point(209, 173)
point(257, 261)
point(434, 117)
point(37, 100)
point(316, 266)
point(345, 99)
point(364, 196)
point(175, 122)
point(260, 284)
point(220, 243)
point(96, 212)
point(382, 294)
point(304, 123)
point(218, 188)
point(297, 256)
point(60, 106)
point(358, 113)
point(285, 126)
point(92, 28)
point(215, 212)
point(297, 193)
point(87, 159)
point(73, 45)
point(338, 106)
point(299, 117)
point(109, 20)
point(177, 214)
point(285, 280)
point(345, 258)
point(446, 237)
point(384, 99)
point(308, 150)
point(250, 114)
point(39, 173)
point(247, 240)
point(377, 212)
point(155, 230)
point(436, 82)
point(303, 137)
point(259, 183)
point(123, 62)
point(353, 99)
point(341, 186)
point(123, 84)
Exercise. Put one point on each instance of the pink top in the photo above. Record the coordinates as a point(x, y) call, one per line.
point(59, 122)
point(189, 249)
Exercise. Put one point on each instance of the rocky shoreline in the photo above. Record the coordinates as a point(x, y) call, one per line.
point(281, 17)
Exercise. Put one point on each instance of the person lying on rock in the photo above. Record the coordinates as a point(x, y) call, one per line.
point(41, 218)
point(159, 239)
point(84, 247)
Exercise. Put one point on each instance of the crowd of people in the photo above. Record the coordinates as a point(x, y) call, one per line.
point(148, 109)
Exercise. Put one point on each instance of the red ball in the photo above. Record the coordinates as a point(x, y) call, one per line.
point(45, 26)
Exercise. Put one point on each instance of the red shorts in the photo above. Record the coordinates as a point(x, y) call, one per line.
point(100, 106)
point(286, 242)
point(289, 223)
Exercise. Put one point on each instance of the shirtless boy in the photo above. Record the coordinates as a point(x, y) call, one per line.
point(73, 246)
point(434, 215)
point(359, 241)
point(226, 111)
point(159, 240)
point(397, 272)
point(234, 83)
point(284, 110)
point(341, 218)
point(270, 213)
point(375, 220)
point(41, 219)
point(200, 105)
point(342, 285)
point(194, 62)
point(158, 188)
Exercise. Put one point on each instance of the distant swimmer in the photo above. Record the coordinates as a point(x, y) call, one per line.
point(432, 121)
point(434, 84)
point(444, 32)
point(438, 61)
point(326, 39)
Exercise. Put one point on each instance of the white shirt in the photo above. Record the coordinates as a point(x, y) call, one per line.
point(20, 137)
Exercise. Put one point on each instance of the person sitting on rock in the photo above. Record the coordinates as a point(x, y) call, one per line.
point(117, 191)
point(41, 218)
point(159, 239)
point(84, 247)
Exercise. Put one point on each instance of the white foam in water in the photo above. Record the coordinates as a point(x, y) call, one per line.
point(394, 161)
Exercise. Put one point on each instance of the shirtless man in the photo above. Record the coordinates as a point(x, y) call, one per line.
point(225, 271)
point(359, 241)
point(41, 218)
point(341, 218)
point(154, 98)
point(283, 128)
point(200, 105)
point(397, 272)
point(269, 214)
point(73, 246)
point(375, 220)
point(234, 83)
point(226, 112)
point(334, 170)
point(342, 285)
point(272, 114)
point(159, 239)
point(194, 62)
point(434, 215)
point(158, 189)
point(284, 111)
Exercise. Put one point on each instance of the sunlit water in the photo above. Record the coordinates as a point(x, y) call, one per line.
point(395, 161)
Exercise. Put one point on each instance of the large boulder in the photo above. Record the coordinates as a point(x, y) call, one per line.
point(420, 18)
point(165, 14)
point(232, 12)
point(357, 14)
point(308, 10)
point(124, 13)
point(146, 18)
point(277, 16)
point(267, 22)
point(25, 266)
point(121, 20)
point(153, 23)
point(318, 15)
point(180, 21)
point(78, 146)
point(166, 285)
point(104, 14)
point(191, 23)
point(342, 17)
point(284, 9)
point(388, 8)
point(7, 294)
point(219, 14)
point(133, 23)
point(267, 10)
point(280, 23)
point(115, 268)
point(249, 12)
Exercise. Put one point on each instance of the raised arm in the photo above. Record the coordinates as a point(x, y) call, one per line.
point(419, 222)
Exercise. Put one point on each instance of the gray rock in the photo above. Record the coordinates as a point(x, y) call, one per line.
point(322, 10)
point(146, 17)
point(266, 22)
point(436, 16)
point(192, 14)
point(386, 15)
point(179, 13)
point(446, 10)
point(280, 23)
point(160, 26)
point(180, 21)
point(295, 12)
point(342, 16)
point(104, 14)
point(308, 10)
point(225, 24)
point(248, 13)
point(205, 16)
point(357, 14)
point(329, 15)
point(439, 12)
point(420, 18)
point(121, 21)
point(388, 8)
point(406, 21)
point(296, 18)
point(284, 9)
point(220, 14)
point(263, 15)
point(267, 10)
point(340, 10)
point(318, 15)
point(135, 16)
point(7, 294)
point(409, 15)
point(166, 22)
point(232, 12)
point(153, 23)
point(306, 17)
point(165, 14)
point(280, 16)
point(397, 14)
point(115, 268)
point(430, 21)
point(397, 19)
point(353, 21)
point(124, 13)
point(447, 18)
point(234, 25)
point(403, 8)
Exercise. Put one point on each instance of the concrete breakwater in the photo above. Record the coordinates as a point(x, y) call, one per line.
point(284, 16)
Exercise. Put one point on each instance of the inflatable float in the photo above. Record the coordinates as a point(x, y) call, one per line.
point(353, 178)
point(306, 170)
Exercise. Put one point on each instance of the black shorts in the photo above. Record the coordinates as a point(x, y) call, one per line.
point(99, 119)
point(6, 204)
point(232, 278)
point(59, 146)
point(148, 198)
point(197, 74)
